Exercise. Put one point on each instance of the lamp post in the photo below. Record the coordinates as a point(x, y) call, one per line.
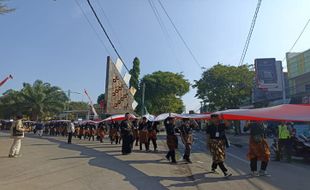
point(69, 92)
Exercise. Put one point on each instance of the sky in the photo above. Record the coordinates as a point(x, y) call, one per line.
point(52, 40)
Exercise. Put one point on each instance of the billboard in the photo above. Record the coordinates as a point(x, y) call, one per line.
point(269, 75)
point(118, 98)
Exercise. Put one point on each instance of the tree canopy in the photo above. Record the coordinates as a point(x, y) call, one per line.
point(135, 74)
point(224, 86)
point(163, 92)
point(36, 101)
point(100, 98)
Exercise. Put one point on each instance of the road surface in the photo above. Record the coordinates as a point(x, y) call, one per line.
point(51, 163)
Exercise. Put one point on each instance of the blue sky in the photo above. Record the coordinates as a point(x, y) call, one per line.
point(52, 41)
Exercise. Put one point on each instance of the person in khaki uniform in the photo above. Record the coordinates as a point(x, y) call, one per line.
point(17, 133)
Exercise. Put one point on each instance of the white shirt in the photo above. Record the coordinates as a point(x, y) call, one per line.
point(71, 128)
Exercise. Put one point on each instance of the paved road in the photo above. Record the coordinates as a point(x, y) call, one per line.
point(50, 163)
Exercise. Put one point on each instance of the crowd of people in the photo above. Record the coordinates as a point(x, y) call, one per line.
point(141, 132)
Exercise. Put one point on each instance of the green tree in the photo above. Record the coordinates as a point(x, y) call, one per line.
point(224, 86)
point(4, 8)
point(163, 92)
point(78, 106)
point(135, 74)
point(100, 98)
point(39, 100)
point(10, 104)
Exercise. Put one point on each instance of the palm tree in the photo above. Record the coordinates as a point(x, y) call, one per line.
point(42, 99)
point(4, 9)
point(10, 104)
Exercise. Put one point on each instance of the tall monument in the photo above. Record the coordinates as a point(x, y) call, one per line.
point(118, 98)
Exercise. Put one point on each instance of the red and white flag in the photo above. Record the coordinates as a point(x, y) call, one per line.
point(6, 79)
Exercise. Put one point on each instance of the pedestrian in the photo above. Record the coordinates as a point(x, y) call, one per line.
point(127, 135)
point(39, 128)
point(17, 134)
point(172, 140)
point(136, 131)
point(101, 132)
point(143, 134)
point(217, 143)
point(70, 131)
point(258, 148)
point(114, 132)
point(92, 132)
point(284, 142)
point(81, 131)
point(152, 134)
point(186, 133)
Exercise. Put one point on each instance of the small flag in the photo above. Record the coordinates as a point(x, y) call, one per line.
point(133, 90)
point(134, 104)
point(127, 78)
point(119, 65)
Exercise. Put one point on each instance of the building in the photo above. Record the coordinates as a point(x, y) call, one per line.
point(298, 66)
point(270, 83)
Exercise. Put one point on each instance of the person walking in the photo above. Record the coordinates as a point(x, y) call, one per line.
point(92, 132)
point(136, 131)
point(217, 143)
point(127, 135)
point(70, 131)
point(101, 132)
point(17, 134)
point(258, 148)
point(172, 140)
point(186, 133)
point(284, 142)
point(143, 134)
point(152, 134)
point(39, 128)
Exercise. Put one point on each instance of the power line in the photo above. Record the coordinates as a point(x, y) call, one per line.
point(180, 36)
point(165, 31)
point(301, 33)
point(108, 20)
point(106, 34)
point(93, 28)
point(247, 42)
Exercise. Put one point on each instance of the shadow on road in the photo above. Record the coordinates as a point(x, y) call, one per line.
point(134, 176)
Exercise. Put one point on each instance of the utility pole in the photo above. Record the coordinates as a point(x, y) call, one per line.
point(69, 94)
point(283, 87)
point(143, 95)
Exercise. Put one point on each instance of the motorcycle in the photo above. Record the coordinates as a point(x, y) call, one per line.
point(300, 146)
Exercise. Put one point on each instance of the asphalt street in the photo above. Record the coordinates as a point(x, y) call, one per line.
point(51, 163)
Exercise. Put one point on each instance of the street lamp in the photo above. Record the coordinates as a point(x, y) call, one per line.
point(69, 98)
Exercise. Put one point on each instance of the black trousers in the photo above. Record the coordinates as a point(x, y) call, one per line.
point(284, 147)
point(91, 137)
point(253, 165)
point(69, 137)
point(171, 155)
point(154, 143)
point(146, 146)
point(221, 165)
